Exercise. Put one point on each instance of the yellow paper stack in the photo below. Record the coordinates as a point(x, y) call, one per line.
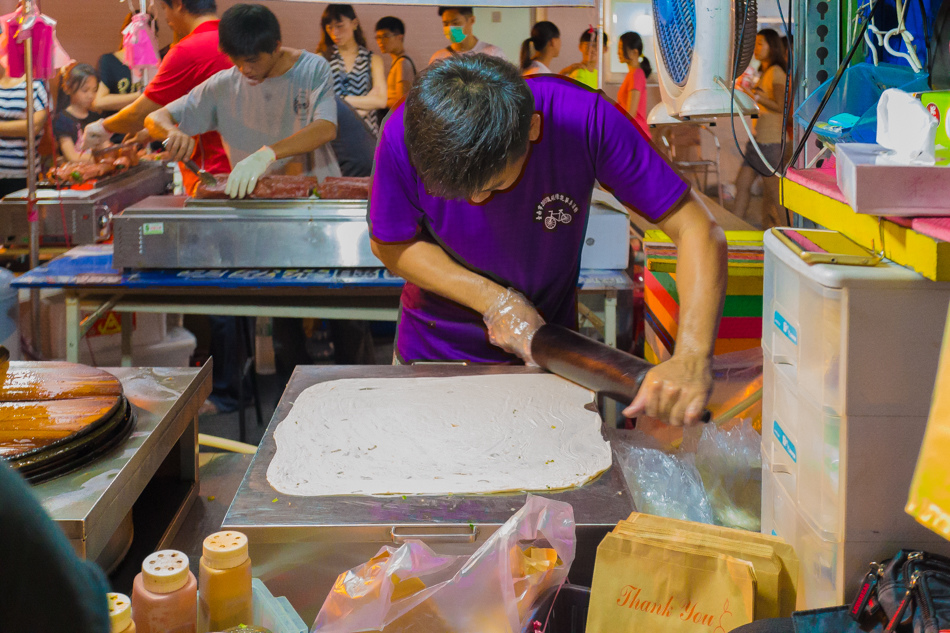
point(658, 574)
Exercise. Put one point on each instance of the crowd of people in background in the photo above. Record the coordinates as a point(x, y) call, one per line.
point(82, 94)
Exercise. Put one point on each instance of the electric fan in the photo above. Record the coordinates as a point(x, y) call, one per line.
point(696, 42)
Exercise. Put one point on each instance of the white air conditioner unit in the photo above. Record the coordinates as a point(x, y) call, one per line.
point(695, 42)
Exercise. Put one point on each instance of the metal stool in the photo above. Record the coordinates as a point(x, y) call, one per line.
point(671, 134)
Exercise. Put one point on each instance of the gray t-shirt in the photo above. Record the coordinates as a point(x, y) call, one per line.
point(248, 117)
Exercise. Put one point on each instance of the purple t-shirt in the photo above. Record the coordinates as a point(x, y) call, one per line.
point(529, 237)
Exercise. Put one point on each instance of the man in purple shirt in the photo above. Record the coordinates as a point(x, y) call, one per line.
point(480, 198)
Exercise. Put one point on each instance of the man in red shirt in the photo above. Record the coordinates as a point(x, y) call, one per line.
point(189, 62)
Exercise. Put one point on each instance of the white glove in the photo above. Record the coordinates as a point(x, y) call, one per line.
point(244, 176)
point(512, 322)
point(94, 135)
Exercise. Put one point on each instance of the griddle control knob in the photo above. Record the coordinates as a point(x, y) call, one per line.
point(103, 220)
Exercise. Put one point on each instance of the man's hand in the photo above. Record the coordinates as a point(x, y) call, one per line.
point(245, 174)
point(512, 322)
point(94, 135)
point(178, 145)
point(675, 391)
point(142, 137)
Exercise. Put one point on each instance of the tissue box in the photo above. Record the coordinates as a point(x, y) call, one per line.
point(937, 103)
point(882, 189)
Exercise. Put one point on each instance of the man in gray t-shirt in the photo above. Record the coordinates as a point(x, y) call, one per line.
point(275, 110)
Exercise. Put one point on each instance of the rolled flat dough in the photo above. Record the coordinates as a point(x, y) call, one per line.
point(465, 435)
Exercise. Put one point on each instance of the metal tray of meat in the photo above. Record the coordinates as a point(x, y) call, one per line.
point(172, 232)
point(301, 544)
point(81, 216)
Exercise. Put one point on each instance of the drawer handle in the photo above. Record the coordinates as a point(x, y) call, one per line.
point(466, 534)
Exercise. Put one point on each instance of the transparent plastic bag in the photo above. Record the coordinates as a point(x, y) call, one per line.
point(492, 591)
point(730, 464)
point(661, 483)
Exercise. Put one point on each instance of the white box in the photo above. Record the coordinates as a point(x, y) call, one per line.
point(859, 340)
point(148, 329)
point(607, 242)
point(874, 187)
point(174, 351)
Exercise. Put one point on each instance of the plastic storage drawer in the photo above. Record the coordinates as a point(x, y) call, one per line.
point(859, 340)
point(803, 442)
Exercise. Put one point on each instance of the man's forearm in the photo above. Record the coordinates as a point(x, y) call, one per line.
point(428, 266)
point(159, 124)
point(315, 135)
point(131, 118)
point(700, 278)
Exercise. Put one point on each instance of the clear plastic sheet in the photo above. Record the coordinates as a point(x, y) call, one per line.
point(663, 484)
point(492, 591)
point(730, 464)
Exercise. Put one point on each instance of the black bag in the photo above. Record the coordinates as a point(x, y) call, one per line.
point(938, 49)
point(908, 594)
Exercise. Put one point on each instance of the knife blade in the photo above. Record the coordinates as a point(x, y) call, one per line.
point(206, 179)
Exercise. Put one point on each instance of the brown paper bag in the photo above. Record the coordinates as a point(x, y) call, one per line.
point(767, 566)
point(789, 578)
point(651, 587)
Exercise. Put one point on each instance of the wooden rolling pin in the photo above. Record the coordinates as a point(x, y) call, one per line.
point(598, 367)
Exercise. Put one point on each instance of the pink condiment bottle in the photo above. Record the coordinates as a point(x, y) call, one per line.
point(165, 595)
point(120, 614)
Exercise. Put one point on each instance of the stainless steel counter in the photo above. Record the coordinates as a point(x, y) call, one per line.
point(90, 504)
point(179, 232)
point(299, 545)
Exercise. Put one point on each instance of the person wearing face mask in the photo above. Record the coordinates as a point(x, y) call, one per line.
point(457, 23)
point(585, 71)
point(539, 50)
point(294, 88)
point(484, 217)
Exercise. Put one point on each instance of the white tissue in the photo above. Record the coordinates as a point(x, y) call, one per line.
point(906, 128)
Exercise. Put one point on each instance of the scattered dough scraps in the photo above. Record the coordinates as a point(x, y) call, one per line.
point(464, 435)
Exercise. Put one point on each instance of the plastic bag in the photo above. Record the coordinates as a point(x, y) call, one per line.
point(138, 42)
point(666, 485)
point(492, 591)
point(730, 464)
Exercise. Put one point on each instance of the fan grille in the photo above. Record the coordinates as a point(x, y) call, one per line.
point(675, 25)
point(745, 39)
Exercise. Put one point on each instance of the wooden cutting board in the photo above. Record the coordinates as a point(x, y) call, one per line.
point(45, 403)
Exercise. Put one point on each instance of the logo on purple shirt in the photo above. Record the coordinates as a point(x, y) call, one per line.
point(555, 209)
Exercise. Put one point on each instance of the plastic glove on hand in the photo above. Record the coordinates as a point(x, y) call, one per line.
point(512, 322)
point(245, 174)
point(94, 135)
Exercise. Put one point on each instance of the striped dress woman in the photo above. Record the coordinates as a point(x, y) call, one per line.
point(358, 81)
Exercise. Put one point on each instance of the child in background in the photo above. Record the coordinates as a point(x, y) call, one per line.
point(81, 84)
point(586, 70)
point(632, 95)
point(539, 50)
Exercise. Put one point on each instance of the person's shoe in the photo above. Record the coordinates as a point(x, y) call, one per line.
point(208, 408)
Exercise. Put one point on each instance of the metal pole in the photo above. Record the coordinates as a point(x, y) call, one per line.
point(601, 9)
point(35, 305)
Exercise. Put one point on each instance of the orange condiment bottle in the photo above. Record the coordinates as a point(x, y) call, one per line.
point(224, 582)
point(165, 594)
point(120, 614)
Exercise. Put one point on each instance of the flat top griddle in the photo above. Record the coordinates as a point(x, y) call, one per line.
point(602, 501)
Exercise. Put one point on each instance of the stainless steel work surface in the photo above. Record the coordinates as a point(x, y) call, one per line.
point(89, 504)
point(180, 232)
point(300, 544)
point(81, 216)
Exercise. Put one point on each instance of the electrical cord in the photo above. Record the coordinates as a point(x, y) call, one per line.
point(834, 83)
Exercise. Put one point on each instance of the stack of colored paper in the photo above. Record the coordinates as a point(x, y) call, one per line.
point(741, 324)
